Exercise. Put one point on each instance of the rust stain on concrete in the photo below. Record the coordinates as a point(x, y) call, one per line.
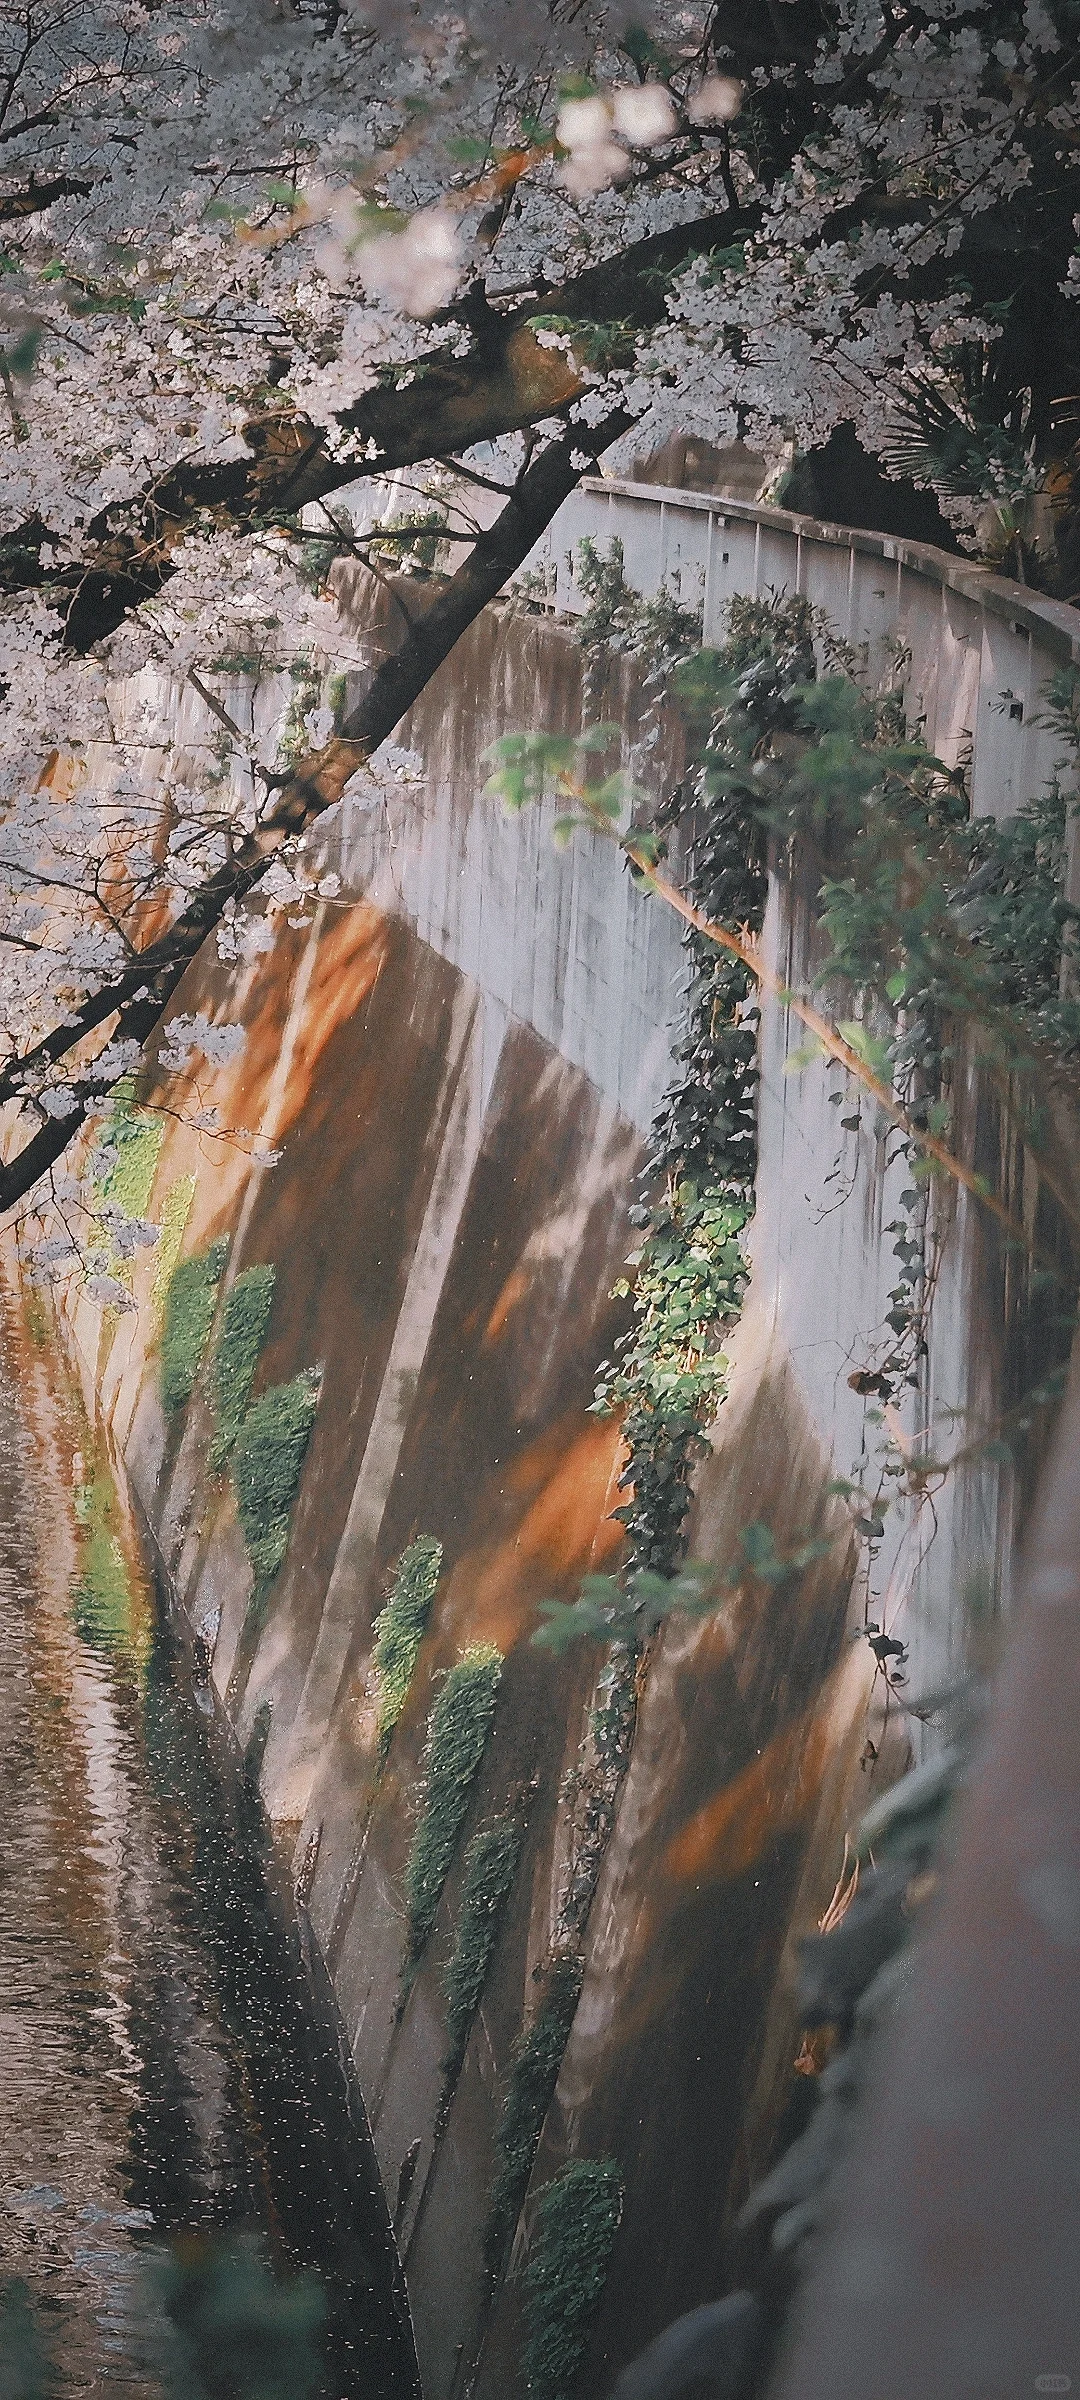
point(771, 1795)
point(563, 1479)
point(353, 949)
point(514, 1291)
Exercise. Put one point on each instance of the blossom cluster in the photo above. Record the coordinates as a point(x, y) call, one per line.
point(223, 218)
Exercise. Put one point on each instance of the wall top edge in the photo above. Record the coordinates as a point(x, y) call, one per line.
point(1052, 622)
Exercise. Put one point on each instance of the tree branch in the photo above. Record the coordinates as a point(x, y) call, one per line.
point(508, 381)
point(138, 997)
point(34, 196)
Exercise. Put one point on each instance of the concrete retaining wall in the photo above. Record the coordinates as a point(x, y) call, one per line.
point(459, 1058)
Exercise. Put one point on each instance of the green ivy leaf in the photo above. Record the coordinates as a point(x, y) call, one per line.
point(874, 1054)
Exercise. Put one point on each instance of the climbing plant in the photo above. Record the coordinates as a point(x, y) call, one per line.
point(399, 1630)
point(491, 1863)
point(530, 2086)
point(577, 2218)
point(668, 1372)
point(457, 1733)
point(245, 1316)
point(266, 1464)
point(657, 634)
point(950, 942)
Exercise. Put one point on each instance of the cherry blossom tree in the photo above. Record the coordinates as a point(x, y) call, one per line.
point(256, 251)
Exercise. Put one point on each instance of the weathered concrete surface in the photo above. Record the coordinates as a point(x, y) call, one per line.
point(950, 2267)
point(459, 1059)
point(971, 652)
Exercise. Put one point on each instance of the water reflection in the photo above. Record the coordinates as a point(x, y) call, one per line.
point(160, 2072)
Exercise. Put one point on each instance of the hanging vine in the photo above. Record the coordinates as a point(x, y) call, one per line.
point(938, 932)
point(950, 941)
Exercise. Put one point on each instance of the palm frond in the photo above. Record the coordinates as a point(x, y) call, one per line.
point(969, 434)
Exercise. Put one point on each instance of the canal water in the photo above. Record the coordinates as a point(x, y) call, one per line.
point(189, 2208)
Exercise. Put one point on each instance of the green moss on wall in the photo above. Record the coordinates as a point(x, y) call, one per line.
point(491, 1863)
point(175, 1211)
point(136, 1135)
point(244, 1319)
point(400, 1629)
point(457, 1732)
point(534, 2073)
point(577, 2218)
point(266, 1464)
point(189, 1314)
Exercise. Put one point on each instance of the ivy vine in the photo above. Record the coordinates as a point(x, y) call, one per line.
point(948, 938)
point(944, 937)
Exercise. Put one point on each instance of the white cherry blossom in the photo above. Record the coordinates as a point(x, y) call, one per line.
point(231, 225)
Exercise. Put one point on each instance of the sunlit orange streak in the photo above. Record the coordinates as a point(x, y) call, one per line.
point(564, 1529)
point(769, 1798)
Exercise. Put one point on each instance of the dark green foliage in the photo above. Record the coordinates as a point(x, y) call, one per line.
point(189, 1314)
point(577, 2219)
point(975, 434)
point(491, 1863)
point(24, 2367)
point(238, 2334)
point(1019, 920)
point(668, 1375)
point(457, 1733)
point(266, 1464)
point(409, 543)
point(534, 2073)
point(618, 618)
point(400, 1628)
point(244, 1319)
point(931, 913)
